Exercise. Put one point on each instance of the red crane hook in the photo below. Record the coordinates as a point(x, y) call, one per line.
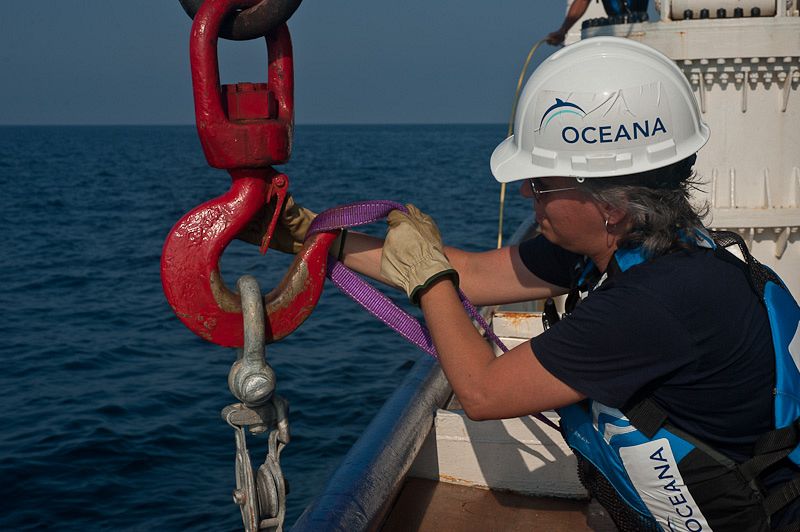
point(244, 128)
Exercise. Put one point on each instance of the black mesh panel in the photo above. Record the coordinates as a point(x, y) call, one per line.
point(759, 274)
point(626, 518)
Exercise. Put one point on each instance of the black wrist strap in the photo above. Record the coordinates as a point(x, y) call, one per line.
point(342, 238)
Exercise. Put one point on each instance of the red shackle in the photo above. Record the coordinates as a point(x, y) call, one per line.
point(247, 125)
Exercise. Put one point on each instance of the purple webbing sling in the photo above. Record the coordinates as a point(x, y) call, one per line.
point(377, 304)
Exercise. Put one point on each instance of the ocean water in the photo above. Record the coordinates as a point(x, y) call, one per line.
point(110, 406)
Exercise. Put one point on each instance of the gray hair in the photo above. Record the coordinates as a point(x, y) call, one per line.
point(656, 204)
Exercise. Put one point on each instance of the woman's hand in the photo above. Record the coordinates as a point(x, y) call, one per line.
point(413, 253)
point(290, 231)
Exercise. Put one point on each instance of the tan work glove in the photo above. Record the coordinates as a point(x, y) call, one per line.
point(413, 253)
point(290, 231)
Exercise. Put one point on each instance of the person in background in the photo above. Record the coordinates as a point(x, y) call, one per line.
point(664, 366)
point(614, 8)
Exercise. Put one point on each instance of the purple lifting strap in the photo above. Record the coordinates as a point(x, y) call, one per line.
point(377, 304)
point(366, 295)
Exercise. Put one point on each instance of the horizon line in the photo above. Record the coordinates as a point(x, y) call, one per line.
point(296, 124)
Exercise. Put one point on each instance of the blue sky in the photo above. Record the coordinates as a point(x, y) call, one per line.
point(356, 61)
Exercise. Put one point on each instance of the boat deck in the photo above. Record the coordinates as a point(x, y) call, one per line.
point(427, 505)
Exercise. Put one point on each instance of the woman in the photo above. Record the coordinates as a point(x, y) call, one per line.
point(663, 372)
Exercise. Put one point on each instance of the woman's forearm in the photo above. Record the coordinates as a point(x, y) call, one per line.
point(463, 353)
point(362, 253)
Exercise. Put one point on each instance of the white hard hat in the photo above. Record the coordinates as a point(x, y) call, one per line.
point(601, 107)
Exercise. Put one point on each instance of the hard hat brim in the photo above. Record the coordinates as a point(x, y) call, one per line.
point(511, 163)
point(508, 163)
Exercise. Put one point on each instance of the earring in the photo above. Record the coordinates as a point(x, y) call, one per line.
point(606, 225)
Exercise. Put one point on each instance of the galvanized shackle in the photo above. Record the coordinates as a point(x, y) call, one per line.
point(251, 380)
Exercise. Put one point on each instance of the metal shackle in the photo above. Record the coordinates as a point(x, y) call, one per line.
point(251, 379)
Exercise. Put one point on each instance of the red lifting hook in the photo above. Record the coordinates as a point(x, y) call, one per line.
point(243, 128)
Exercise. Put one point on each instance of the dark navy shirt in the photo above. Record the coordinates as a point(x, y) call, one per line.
point(685, 328)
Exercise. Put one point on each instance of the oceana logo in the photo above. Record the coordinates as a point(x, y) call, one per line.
point(559, 108)
point(603, 134)
point(630, 131)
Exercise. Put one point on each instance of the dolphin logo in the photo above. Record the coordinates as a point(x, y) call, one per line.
point(559, 108)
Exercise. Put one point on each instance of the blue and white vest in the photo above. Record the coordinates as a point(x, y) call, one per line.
point(669, 479)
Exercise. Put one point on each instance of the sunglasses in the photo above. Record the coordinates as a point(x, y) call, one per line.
point(538, 190)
